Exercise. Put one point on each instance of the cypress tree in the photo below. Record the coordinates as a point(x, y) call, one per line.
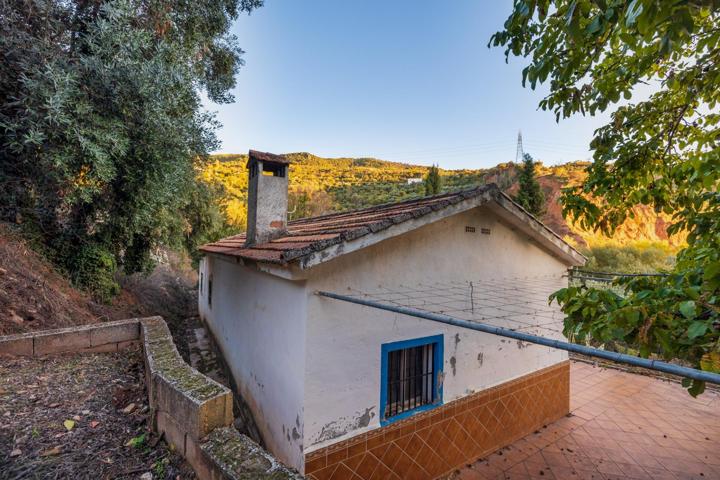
point(530, 195)
point(432, 181)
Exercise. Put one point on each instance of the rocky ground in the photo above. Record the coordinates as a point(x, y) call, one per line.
point(81, 417)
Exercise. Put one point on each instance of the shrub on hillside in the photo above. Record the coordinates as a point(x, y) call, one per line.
point(93, 269)
point(636, 257)
point(103, 123)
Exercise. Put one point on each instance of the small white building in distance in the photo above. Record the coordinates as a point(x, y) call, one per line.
point(338, 389)
point(413, 181)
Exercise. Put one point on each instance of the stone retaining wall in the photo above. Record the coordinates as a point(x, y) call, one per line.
point(99, 338)
point(192, 411)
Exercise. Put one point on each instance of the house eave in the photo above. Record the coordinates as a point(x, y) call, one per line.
point(499, 203)
point(538, 231)
point(350, 246)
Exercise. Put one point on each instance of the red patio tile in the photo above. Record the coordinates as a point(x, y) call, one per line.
point(645, 460)
point(682, 466)
point(631, 470)
point(556, 459)
point(623, 426)
point(609, 468)
point(660, 473)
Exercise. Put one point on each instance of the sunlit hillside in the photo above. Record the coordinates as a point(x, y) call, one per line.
point(322, 185)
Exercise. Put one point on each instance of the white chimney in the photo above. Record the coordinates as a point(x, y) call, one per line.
point(267, 197)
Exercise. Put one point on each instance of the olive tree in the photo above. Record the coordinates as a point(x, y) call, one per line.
point(103, 126)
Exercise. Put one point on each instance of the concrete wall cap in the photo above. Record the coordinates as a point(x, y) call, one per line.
point(238, 457)
point(197, 402)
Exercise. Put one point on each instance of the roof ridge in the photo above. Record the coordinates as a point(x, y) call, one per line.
point(479, 188)
point(305, 237)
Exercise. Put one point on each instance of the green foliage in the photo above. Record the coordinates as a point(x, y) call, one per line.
point(203, 219)
point(303, 203)
point(530, 196)
point(634, 257)
point(322, 185)
point(159, 467)
point(138, 441)
point(432, 181)
point(93, 268)
point(102, 121)
point(661, 151)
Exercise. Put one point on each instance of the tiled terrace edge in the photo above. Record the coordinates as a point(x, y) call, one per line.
point(192, 411)
point(438, 441)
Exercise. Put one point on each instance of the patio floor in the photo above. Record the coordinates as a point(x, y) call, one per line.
point(622, 426)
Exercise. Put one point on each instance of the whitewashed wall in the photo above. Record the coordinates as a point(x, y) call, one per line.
point(342, 369)
point(259, 322)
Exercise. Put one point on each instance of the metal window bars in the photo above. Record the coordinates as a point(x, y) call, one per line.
point(410, 379)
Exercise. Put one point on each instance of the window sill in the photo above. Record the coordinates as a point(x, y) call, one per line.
point(409, 413)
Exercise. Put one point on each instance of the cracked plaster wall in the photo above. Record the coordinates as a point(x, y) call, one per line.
point(258, 322)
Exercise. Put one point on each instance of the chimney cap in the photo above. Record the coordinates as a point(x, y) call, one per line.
point(266, 157)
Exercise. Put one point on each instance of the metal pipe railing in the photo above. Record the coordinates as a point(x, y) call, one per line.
point(617, 274)
point(657, 365)
point(592, 279)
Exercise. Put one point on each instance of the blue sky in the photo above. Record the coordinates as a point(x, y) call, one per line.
point(408, 81)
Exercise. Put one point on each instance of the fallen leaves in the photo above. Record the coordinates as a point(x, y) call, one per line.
point(136, 442)
point(129, 408)
point(50, 433)
point(15, 318)
point(57, 450)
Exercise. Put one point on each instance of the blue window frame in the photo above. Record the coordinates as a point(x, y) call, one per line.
point(411, 372)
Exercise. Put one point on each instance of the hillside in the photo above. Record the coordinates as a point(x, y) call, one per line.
point(35, 295)
point(320, 185)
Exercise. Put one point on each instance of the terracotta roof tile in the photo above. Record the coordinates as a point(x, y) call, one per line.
point(310, 235)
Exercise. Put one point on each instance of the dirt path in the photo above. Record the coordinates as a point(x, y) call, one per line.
point(81, 417)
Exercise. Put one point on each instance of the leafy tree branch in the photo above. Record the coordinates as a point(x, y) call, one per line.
point(103, 126)
point(662, 150)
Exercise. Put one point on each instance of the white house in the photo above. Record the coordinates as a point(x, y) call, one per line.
point(338, 389)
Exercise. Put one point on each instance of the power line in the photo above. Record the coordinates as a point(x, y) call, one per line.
point(490, 148)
